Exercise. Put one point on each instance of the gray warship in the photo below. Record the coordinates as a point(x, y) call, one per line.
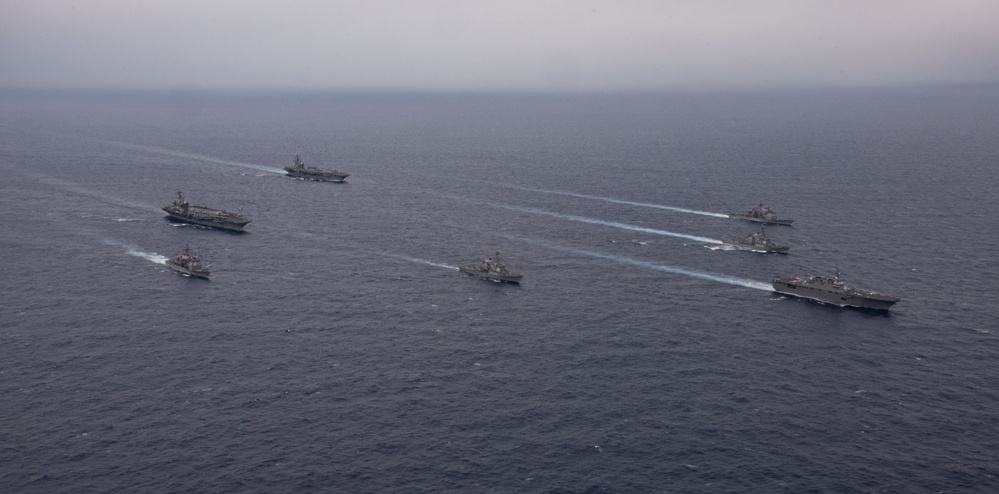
point(491, 269)
point(832, 291)
point(299, 170)
point(761, 214)
point(185, 212)
point(757, 242)
point(188, 264)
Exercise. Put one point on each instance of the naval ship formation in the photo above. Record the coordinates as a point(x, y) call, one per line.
point(299, 170)
point(185, 212)
point(818, 288)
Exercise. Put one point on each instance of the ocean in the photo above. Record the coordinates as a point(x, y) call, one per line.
point(337, 348)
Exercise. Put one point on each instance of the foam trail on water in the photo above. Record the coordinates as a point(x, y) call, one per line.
point(76, 188)
point(421, 261)
point(197, 157)
point(135, 251)
point(593, 221)
point(621, 201)
point(650, 265)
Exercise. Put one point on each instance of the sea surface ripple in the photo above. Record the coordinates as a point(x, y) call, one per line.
point(338, 349)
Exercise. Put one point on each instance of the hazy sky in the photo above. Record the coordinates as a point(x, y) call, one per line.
point(575, 45)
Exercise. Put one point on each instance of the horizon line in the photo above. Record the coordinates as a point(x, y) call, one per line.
point(689, 89)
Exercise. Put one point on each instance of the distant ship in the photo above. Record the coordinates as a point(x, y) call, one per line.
point(188, 264)
point(832, 291)
point(757, 242)
point(761, 214)
point(183, 211)
point(491, 269)
point(299, 170)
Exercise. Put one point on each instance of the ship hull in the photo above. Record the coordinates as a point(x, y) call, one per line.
point(474, 270)
point(222, 225)
point(758, 248)
point(846, 298)
point(333, 177)
point(761, 220)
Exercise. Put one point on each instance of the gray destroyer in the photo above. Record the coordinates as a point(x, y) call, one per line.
point(832, 291)
point(491, 268)
point(757, 242)
point(299, 170)
point(761, 214)
point(188, 264)
point(185, 212)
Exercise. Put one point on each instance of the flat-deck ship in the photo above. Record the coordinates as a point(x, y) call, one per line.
point(299, 170)
point(185, 212)
point(832, 291)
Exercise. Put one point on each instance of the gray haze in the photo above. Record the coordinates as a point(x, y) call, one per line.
point(508, 45)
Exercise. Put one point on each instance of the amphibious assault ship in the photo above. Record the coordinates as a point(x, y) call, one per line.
point(491, 269)
point(761, 214)
point(757, 242)
point(299, 170)
point(185, 212)
point(188, 264)
point(832, 291)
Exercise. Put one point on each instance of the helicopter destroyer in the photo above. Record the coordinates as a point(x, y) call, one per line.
point(761, 214)
point(832, 291)
point(491, 269)
point(188, 264)
point(299, 170)
point(183, 211)
point(757, 242)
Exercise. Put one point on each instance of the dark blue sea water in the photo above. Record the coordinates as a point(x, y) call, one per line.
point(338, 349)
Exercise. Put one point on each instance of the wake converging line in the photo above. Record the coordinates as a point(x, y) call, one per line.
point(620, 201)
point(196, 157)
point(421, 261)
point(615, 224)
point(731, 280)
point(78, 189)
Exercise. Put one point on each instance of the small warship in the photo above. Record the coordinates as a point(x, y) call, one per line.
point(832, 291)
point(761, 214)
point(299, 170)
point(185, 212)
point(188, 264)
point(491, 269)
point(757, 242)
